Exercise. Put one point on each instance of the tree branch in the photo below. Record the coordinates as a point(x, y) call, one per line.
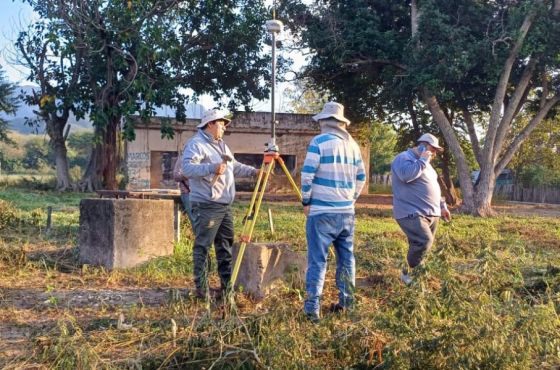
point(513, 107)
point(372, 61)
point(501, 89)
point(472, 134)
point(452, 142)
point(522, 136)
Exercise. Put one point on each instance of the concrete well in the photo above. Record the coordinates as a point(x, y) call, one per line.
point(120, 233)
point(268, 265)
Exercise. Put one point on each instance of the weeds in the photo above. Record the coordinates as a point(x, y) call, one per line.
point(487, 297)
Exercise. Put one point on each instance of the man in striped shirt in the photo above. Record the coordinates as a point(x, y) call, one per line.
point(332, 178)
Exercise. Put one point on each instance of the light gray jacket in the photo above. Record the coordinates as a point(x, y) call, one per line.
point(201, 156)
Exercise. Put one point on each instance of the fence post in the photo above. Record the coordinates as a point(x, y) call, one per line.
point(49, 220)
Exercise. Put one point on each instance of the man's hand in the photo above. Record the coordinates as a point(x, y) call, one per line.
point(306, 210)
point(220, 168)
point(427, 155)
point(446, 215)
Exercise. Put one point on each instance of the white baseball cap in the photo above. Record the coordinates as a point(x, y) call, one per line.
point(212, 115)
point(432, 140)
point(334, 110)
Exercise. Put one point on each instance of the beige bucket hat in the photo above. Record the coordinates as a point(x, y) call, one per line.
point(212, 115)
point(334, 110)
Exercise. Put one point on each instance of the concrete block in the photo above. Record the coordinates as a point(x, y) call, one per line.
point(268, 265)
point(120, 233)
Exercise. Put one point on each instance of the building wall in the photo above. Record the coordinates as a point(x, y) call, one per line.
point(247, 134)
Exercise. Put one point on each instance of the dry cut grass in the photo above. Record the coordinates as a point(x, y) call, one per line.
point(488, 297)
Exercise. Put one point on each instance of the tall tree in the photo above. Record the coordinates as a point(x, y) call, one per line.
point(8, 105)
point(476, 66)
point(47, 50)
point(143, 54)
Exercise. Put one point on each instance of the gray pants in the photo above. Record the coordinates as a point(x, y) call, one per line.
point(212, 223)
point(420, 232)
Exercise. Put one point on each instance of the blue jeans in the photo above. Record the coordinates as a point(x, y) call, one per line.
point(187, 206)
point(322, 230)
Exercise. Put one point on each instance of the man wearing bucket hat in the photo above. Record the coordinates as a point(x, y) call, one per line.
point(417, 201)
point(332, 178)
point(209, 165)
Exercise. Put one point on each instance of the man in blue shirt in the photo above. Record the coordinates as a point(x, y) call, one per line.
point(332, 178)
point(209, 165)
point(417, 201)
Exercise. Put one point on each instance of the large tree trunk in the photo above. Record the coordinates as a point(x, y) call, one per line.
point(55, 130)
point(483, 198)
point(447, 182)
point(111, 156)
point(455, 148)
point(101, 171)
point(93, 176)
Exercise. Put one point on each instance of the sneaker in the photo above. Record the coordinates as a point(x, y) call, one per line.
point(312, 317)
point(337, 308)
point(406, 279)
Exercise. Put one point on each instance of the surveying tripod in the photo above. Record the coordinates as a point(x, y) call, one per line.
point(270, 158)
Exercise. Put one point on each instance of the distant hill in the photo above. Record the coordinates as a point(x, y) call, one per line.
point(17, 121)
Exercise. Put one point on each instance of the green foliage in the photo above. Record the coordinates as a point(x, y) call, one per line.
point(37, 154)
point(8, 105)
point(304, 99)
point(536, 163)
point(79, 148)
point(383, 141)
point(467, 61)
point(128, 58)
point(539, 175)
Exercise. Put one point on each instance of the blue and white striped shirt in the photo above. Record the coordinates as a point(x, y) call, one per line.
point(333, 174)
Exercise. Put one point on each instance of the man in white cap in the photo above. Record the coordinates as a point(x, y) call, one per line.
point(332, 178)
point(417, 201)
point(209, 165)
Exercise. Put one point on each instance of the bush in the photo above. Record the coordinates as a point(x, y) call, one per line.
point(539, 175)
point(9, 215)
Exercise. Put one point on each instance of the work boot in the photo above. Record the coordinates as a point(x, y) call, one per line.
point(337, 308)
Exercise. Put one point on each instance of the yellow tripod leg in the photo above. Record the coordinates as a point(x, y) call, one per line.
point(246, 238)
point(290, 178)
point(250, 212)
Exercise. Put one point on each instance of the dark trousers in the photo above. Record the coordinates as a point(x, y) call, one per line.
point(420, 232)
point(212, 223)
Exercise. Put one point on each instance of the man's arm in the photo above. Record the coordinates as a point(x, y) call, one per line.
point(243, 170)
point(360, 175)
point(408, 170)
point(445, 213)
point(310, 165)
point(192, 166)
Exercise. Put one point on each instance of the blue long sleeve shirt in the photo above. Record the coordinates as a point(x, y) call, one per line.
point(201, 156)
point(415, 187)
point(333, 174)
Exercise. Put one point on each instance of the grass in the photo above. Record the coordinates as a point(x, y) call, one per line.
point(488, 297)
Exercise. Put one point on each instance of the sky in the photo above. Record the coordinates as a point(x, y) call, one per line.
point(15, 16)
